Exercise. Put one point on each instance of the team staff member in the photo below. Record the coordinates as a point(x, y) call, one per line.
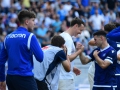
point(18, 50)
point(47, 72)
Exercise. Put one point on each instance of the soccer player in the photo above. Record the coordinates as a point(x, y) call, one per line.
point(18, 49)
point(47, 72)
point(116, 45)
point(105, 59)
point(67, 78)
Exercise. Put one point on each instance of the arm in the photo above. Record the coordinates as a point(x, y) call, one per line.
point(3, 59)
point(36, 49)
point(74, 55)
point(114, 34)
point(118, 55)
point(76, 71)
point(102, 63)
point(66, 64)
point(3, 85)
point(84, 59)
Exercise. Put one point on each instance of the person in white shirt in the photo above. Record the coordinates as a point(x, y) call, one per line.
point(96, 21)
point(66, 81)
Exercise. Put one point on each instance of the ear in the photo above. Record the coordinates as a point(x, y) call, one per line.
point(76, 25)
point(102, 37)
point(27, 21)
point(62, 46)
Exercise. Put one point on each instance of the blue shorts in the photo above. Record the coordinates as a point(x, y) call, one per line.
point(118, 82)
point(104, 88)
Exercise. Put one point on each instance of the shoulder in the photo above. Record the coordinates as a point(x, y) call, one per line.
point(112, 51)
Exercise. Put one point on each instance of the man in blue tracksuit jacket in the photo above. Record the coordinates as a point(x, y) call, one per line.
point(18, 50)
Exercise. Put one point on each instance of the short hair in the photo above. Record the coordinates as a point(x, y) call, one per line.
point(24, 14)
point(116, 24)
point(76, 20)
point(100, 33)
point(109, 27)
point(57, 40)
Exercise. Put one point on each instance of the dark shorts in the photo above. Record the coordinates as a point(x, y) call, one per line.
point(118, 82)
point(16, 82)
point(104, 88)
point(41, 85)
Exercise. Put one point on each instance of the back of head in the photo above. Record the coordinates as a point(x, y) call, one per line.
point(116, 24)
point(100, 33)
point(57, 40)
point(109, 27)
point(76, 20)
point(25, 14)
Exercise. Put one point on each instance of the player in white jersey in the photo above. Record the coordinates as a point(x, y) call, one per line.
point(67, 78)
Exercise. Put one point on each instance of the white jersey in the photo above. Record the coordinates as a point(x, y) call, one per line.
point(50, 65)
point(71, 49)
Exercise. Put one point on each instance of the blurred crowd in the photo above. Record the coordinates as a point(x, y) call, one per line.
point(54, 16)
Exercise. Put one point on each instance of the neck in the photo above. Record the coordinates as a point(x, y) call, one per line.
point(22, 25)
point(70, 31)
point(104, 45)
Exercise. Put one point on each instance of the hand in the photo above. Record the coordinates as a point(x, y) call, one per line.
point(76, 71)
point(95, 53)
point(3, 85)
point(65, 49)
point(79, 46)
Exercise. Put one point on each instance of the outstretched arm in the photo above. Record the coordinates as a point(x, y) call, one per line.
point(84, 59)
point(114, 34)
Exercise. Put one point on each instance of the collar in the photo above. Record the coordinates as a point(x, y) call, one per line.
point(105, 48)
point(22, 28)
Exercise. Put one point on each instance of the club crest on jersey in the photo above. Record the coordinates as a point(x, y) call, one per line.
point(113, 51)
point(104, 55)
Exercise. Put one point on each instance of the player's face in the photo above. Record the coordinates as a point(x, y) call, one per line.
point(31, 24)
point(79, 29)
point(98, 40)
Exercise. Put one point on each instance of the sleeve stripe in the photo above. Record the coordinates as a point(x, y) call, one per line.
point(4, 43)
point(29, 40)
point(109, 61)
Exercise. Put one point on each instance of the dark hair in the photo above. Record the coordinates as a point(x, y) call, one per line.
point(100, 33)
point(25, 14)
point(57, 40)
point(76, 20)
point(116, 24)
point(109, 27)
